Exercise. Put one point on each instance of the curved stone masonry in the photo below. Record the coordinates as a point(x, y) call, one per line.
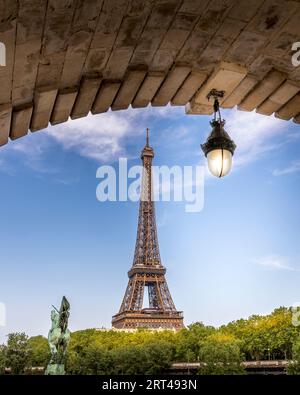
point(65, 58)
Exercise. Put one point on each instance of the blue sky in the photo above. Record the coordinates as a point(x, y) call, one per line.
point(240, 255)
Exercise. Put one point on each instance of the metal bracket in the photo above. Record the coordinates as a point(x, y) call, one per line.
point(215, 94)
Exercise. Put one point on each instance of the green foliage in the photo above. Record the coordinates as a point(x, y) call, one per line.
point(220, 355)
point(147, 358)
point(188, 341)
point(94, 360)
point(40, 351)
point(2, 359)
point(294, 365)
point(221, 350)
point(17, 352)
point(128, 360)
point(266, 337)
point(159, 356)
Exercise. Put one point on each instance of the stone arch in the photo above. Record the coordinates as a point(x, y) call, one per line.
point(70, 57)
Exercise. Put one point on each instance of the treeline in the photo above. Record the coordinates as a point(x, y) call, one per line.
point(144, 352)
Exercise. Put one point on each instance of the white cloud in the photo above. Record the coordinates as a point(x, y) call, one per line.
point(162, 219)
point(253, 134)
point(293, 168)
point(167, 111)
point(102, 137)
point(96, 137)
point(275, 262)
point(33, 150)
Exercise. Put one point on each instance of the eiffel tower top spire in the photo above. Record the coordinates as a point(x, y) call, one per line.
point(147, 150)
point(147, 137)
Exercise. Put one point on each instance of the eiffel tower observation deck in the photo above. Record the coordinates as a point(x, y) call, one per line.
point(147, 270)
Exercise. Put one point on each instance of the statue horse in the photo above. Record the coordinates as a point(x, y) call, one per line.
point(58, 338)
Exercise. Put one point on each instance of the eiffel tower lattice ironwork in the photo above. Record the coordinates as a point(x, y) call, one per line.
point(147, 270)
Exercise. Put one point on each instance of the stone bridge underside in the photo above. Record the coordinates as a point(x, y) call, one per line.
point(65, 58)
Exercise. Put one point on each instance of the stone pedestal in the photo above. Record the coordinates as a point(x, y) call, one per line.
point(55, 369)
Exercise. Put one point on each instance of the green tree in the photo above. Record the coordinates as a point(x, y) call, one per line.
point(266, 337)
point(94, 351)
point(188, 341)
point(18, 352)
point(2, 358)
point(40, 351)
point(95, 360)
point(294, 365)
point(159, 356)
point(220, 355)
point(128, 360)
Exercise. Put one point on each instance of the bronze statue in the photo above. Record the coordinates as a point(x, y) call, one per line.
point(58, 338)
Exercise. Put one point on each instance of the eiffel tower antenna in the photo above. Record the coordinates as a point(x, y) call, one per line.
point(147, 270)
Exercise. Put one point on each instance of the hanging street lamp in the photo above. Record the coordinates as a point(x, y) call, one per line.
point(219, 147)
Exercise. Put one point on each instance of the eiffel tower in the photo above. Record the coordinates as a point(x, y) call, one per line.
point(147, 269)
